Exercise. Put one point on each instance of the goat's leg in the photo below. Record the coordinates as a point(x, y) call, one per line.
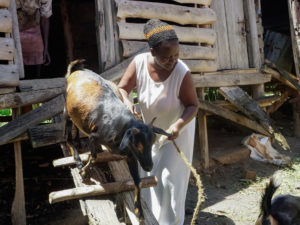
point(69, 140)
point(133, 168)
point(93, 148)
point(77, 138)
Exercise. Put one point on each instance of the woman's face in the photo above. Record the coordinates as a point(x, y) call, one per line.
point(166, 55)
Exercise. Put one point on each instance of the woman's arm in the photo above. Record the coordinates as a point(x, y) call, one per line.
point(127, 84)
point(188, 97)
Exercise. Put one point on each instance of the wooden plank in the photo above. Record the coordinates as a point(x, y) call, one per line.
point(30, 119)
point(235, 117)
point(120, 172)
point(28, 98)
point(202, 131)
point(41, 84)
point(101, 158)
point(284, 96)
point(236, 33)
point(7, 90)
point(6, 49)
point(199, 65)
point(230, 79)
point(100, 34)
point(4, 3)
point(235, 71)
point(222, 42)
point(185, 51)
point(199, 2)
point(117, 71)
point(18, 211)
point(134, 31)
point(250, 108)
point(5, 21)
point(99, 189)
point(18, 58)
point(100, 210)
point(9, 76)
point(166, 12)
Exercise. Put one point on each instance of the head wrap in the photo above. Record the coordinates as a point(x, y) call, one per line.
point(156, 32)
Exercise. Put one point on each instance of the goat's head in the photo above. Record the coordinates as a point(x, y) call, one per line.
point(138, 141)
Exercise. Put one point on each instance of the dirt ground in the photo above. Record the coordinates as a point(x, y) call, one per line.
point(230, 198)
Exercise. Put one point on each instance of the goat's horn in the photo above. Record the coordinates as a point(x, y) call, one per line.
point(151, 123)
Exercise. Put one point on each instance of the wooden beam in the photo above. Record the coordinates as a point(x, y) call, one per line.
point(40, 84)
point(117, 71)
point(250, 108)
point(9, 76)
point(18, 58)
point(235, 117)
point(230, 79)
point(5, 21)
point(6, 49)
point(99, 189)
point(7, 90)
point(120, 172)
point(134, 31)
point(198, 66)
point(30, 119)
point(200, 2)
point(4, 3)
point(101, 158)
point(185, 51)
point(284, 96)
point(28, 98)
point(166, 12)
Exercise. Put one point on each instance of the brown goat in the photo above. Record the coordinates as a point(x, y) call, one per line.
point(282, 210)
point(95, 106)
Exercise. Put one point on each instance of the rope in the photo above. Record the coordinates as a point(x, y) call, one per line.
point(198, 181)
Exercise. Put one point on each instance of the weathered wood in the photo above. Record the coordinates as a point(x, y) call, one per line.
point(222, 42)
point(166, 12)
point(99, 189)
point(197, 66)
point(5, 21)
point(40, 84)
point(267, 100)
point(236, 33)
point(230, 79)
point(134, 31)
point(4, 3)
point(185, 51)
point(252, 35)
point(99, 210)
point(6, 49)
point(284, 96)
point(202, 131)
point(120, 172)
point(284, 74)
point(9, 76)
point(7, 90)
point(117, 71)
point(30, 119)
point(234, 71)
point(28, 98)
point(18, 59)
point(235, 117)
point(250, 108)
point(18, 211)
point(101, 158)
point(100, 34)
point(200, 2)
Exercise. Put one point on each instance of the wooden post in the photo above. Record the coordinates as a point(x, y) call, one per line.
point(18, 212)
point(294, 23)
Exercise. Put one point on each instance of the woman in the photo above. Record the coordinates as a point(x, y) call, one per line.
point(165, 90)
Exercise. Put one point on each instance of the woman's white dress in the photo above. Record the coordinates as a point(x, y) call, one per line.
point(160, 99)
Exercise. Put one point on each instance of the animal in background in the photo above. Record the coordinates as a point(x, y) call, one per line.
point(282, 210)
point(95, 106)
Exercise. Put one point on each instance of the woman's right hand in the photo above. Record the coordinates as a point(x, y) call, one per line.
point(130, 106)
